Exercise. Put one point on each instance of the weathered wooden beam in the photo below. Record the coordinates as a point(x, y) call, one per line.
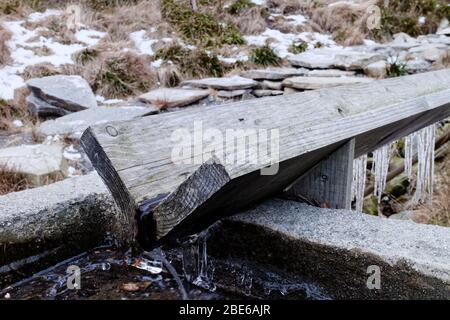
point(329, 183)
point(135, 159)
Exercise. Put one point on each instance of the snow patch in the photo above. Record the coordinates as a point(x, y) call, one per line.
point(89, 37)
point(143, 43)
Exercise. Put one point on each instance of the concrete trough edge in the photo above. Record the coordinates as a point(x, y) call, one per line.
point(337, 249)
point(53, 222)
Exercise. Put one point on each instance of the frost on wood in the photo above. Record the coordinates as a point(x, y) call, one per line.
point(380, 169)
point(359, 181)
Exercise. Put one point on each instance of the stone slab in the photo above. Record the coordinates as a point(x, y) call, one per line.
point(337, 249)
point(173, 97)
point(72, 93)
point(274, 73)
point(231, 83)
point(314, 83)
point(74, 124)
point(37, 162)
point(66, 217)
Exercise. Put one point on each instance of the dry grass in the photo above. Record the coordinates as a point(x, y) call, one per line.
point(346, 22)
point(249, 21)
point(15, 109)
point(5, 54)
point(114, 74)
point(439, 213)
point(56, 27)
point(39, 70)
point(12, 181)
point(124, 19)
point(443, 62)
point(169, 76)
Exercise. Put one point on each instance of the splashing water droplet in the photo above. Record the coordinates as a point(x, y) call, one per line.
point(359, 181)
point(106, 266)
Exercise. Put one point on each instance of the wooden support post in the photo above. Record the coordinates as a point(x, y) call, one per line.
point(329, 183)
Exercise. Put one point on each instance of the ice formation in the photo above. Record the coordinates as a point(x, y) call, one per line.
point(380, 169)
point(359, 181)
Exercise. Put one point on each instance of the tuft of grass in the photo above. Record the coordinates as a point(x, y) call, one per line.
point(15, 109)
point(169, 76)
point(264, 56)
point(444, 61)
point(55, 27)
point(250, 21)
point(39, 70)
point(10, 6)
point(200, 28)
point(403, 16)
point(122, 19)
point(100, 5)
point(192, 63)
point(396, 69)
point(12, 181)
point(239, 6)
point(347, 22)
point(87, 55)
point(298, 47)
point(120, 75)
point(5, 54)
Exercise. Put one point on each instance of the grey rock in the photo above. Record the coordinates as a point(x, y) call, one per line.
point(377, 70)
point(288, 90)
point(231, 94)
point(404, 41)
point(418, 66)
point(173, 97)
point(274, 73)
point(329, 59)
point(231, 83)
point(272, 85)
point(444, 32)
point(405, 215)
point(71, 93)
point(335, 249)
point(68, 216)
point(37, 162)
point(38, 107)
point(267, 93)
point(314, 83)
point(74, 124)
point(331, 73)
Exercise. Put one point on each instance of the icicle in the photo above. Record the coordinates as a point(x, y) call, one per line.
point(359, 181)
point(425, 166)
point(195, 261)
point(380, 169)
point(409, 154)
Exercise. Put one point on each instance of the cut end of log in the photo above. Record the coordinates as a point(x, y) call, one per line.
point(110, 177)
point(158, 217)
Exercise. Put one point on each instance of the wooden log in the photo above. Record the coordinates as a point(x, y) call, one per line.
point(329, 184)
point(134, 158)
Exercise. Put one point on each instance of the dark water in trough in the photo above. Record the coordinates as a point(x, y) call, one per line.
point(186, 272)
